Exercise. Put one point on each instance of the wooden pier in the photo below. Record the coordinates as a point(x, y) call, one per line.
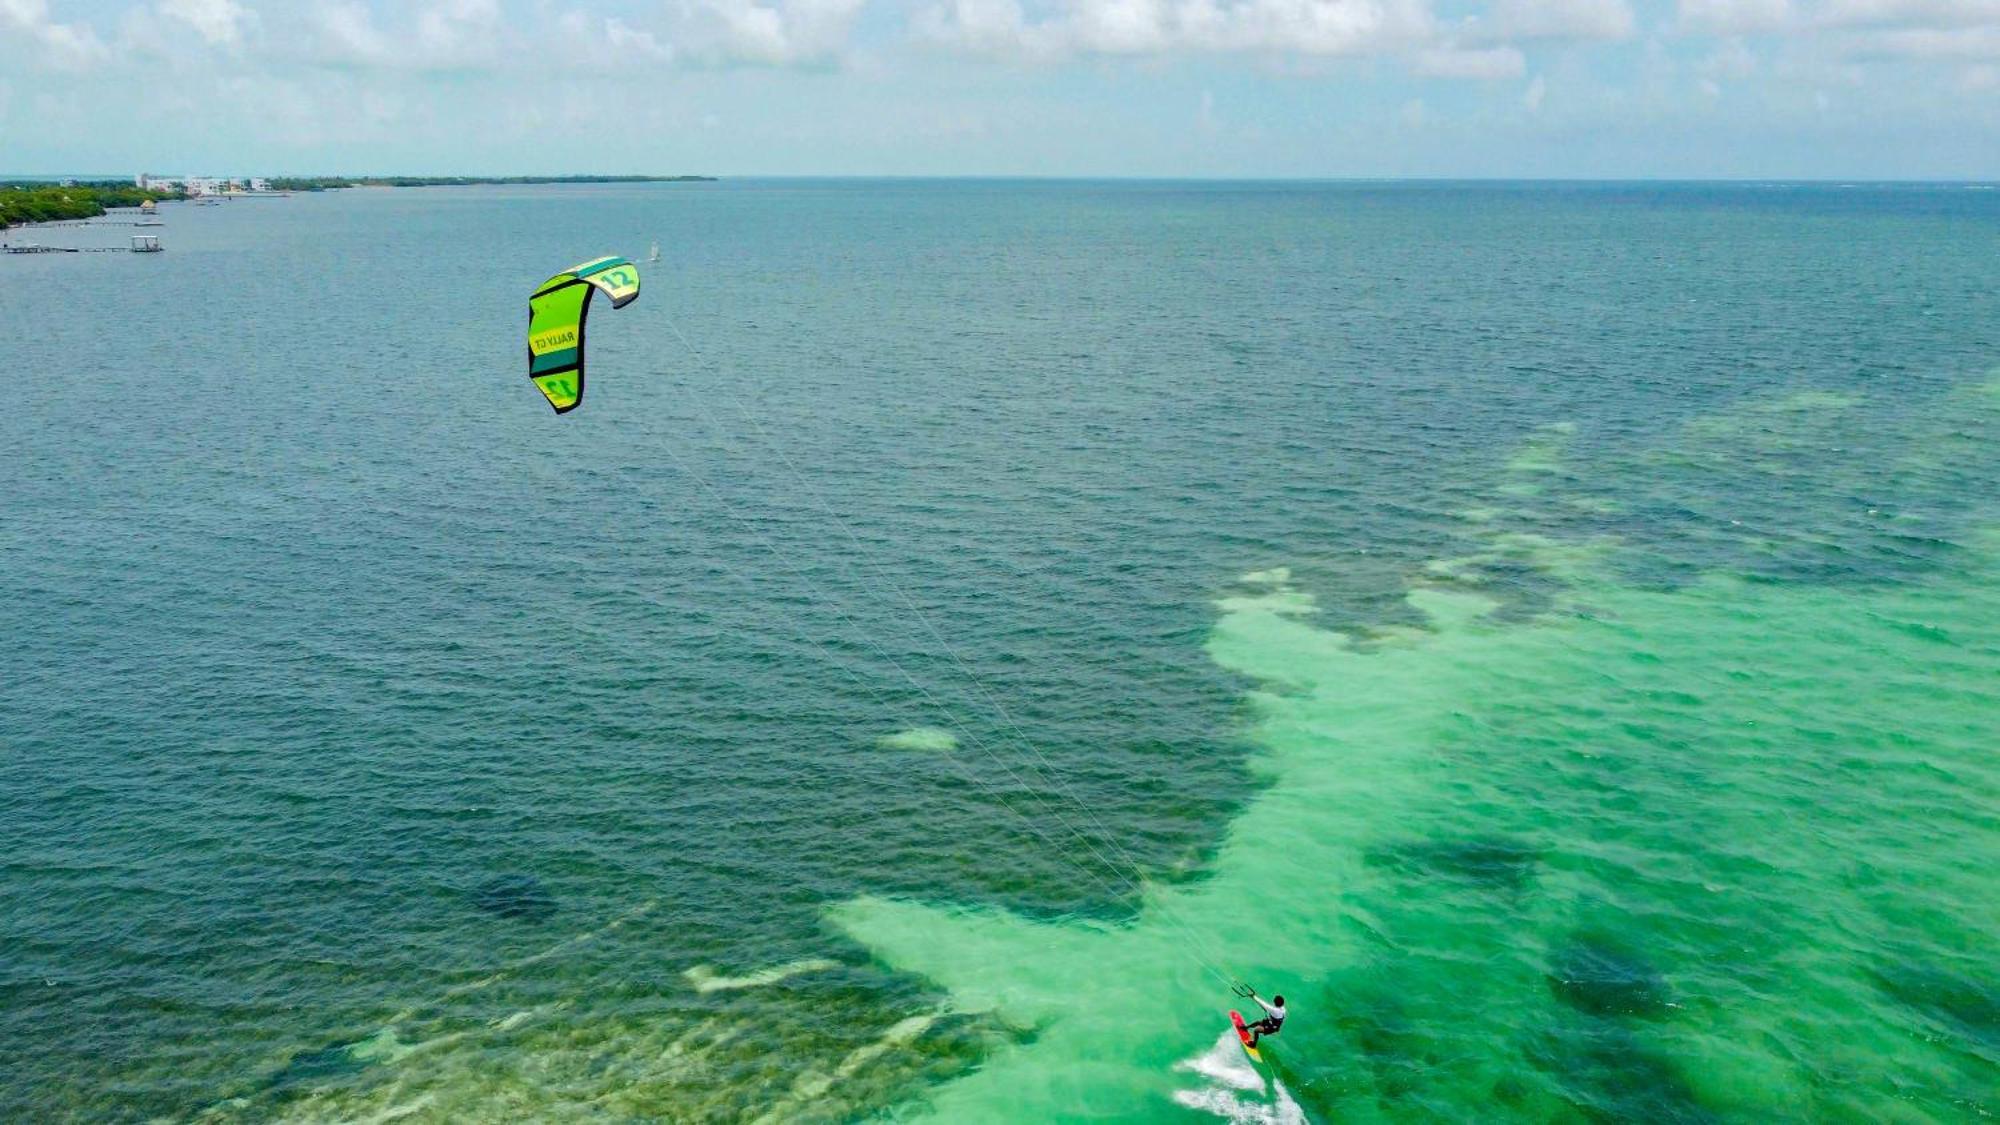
point(32, 248)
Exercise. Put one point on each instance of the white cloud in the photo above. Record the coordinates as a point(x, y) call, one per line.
point(1131, 27)
point(1856, 31)
point(445, 35)
point(623, 37)
point(584, 40)
point(1560, 19)
point(1927, 43)
point(1913, 30)
point(24, 14)
point(458, 29)
point(1438, 47)
point(783, 33)
point(347, 34)
point(1462, 62)
point(220, 22)
point(1804, 17)
point(1734, 17)
point(464, 36)
point(64, 46)
point(991, 27)
point(1138, 26)
point(1927, 13)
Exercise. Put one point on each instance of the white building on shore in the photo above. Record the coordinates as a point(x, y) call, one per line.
point(200, 185)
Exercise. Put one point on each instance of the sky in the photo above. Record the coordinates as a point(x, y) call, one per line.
point(1749, 89)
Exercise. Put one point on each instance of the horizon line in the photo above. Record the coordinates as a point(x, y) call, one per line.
point(663, 177)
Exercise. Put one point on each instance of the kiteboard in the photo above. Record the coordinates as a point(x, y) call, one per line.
point(1243, 1033)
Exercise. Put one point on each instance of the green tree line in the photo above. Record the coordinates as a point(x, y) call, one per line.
point(39, 202)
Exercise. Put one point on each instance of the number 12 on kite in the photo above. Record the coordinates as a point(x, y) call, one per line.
point(556, 315)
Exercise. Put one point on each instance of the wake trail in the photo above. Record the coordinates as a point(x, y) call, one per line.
point(1234, 1090)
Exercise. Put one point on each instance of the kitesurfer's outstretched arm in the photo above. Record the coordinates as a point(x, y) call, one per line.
point(1274, 1016)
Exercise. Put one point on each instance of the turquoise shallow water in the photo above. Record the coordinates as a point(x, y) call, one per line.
point(1550, 632)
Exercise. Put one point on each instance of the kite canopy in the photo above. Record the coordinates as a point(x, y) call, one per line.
point(556, 314)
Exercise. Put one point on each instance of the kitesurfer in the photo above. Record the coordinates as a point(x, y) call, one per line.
point(1274, 1017)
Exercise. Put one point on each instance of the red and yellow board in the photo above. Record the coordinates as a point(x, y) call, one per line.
point(1243, 1033)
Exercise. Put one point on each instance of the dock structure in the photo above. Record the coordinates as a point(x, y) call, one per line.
point(141, 243)
point(139, 246)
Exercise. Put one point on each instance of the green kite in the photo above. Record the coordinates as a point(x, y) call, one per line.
point(556, 314)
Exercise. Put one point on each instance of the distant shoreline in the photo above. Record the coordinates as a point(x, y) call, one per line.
point(26, 204)
point(335, 183)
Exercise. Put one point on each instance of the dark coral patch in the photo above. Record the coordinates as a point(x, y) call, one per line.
point(515, 896)
point(318, 1067)
point(1966, 1008)
point(1494, 861)
point(1606, 1073)
point(1601, 979)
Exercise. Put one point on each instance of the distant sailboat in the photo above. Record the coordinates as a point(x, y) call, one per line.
point(655, 255)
